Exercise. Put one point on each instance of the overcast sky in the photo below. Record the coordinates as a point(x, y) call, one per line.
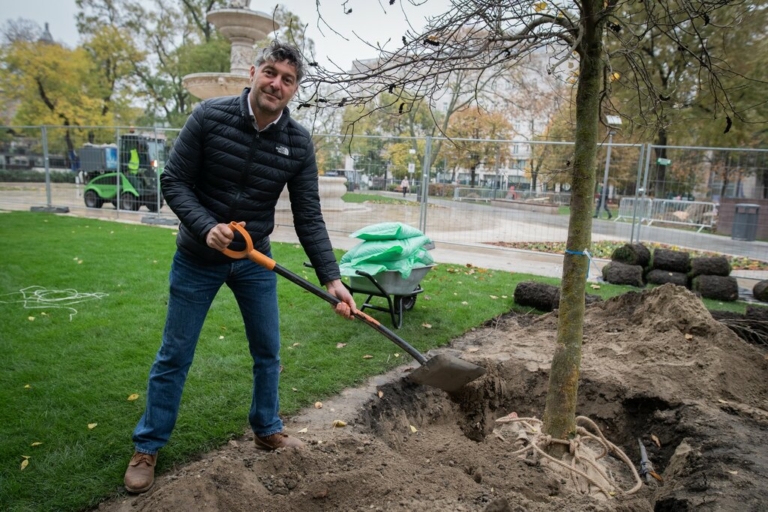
point(375, 20)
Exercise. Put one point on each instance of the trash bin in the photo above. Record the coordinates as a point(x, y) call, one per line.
point(745, 222)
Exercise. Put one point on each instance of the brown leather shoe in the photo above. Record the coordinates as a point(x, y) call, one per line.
point(275, 441)
point(140, 474)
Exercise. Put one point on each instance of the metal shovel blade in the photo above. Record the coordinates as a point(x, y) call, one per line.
point(446, 372)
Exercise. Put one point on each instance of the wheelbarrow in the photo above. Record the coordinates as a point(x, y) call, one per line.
point(441, 371)
point(400, 293)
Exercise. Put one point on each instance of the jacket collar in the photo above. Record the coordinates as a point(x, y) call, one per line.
point(246, 115)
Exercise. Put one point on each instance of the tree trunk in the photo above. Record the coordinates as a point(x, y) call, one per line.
point(560, 410)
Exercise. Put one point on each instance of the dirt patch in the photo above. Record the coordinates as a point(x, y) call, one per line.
point(656, 366)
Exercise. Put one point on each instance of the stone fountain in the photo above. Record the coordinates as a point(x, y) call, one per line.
point(243, 27)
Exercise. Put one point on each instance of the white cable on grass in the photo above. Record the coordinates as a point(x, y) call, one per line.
point(38, 297)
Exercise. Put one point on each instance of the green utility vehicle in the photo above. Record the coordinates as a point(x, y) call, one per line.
point(136, 183)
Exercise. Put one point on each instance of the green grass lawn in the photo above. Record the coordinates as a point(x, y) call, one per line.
point(357, 197)
point(82, 306)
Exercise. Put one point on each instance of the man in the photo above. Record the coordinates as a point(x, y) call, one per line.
point(231, 161)
point(601, 204)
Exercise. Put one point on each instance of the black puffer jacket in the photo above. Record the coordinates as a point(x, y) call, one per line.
point(221, 169)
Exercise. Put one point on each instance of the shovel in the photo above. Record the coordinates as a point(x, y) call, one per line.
point(441, 371)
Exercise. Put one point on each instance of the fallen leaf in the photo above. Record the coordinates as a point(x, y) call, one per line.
point(427, 326)
point(302, 431)
point(413, 429)
point(27, 387)
point(722, 401)
point(339, 423)
point(595, 286)
point(464, 302)
point(133, 397)
point(493, 297)
point(294, 390)
point(24, 463)
point(397, 355)
point(381, 394)
point(79, 262)
point(92, 426)
point(656, 440)
point(367, 356)
point(689, 336)
point(733, 472)
point(318, 405)
point(656, 476)
point(472, 349)
point(503, 296)
point(341, 345)
point(43, 313)
point(36, 443)
point(221, 337)
point(31, 318)
point(296, 345)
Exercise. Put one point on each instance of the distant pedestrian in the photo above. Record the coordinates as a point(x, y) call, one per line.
point(511, 194)
point(601, 204)
point(404, 186)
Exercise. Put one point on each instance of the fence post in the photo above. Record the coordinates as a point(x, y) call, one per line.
point(46, 163)
point(425, 184)
point(118, 193)
point(637, 191)
point(157, 171)
point(645, 184)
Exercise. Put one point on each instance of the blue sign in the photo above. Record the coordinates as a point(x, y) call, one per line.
point(110, 158)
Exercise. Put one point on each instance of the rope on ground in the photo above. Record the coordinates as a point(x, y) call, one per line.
point(536, 442)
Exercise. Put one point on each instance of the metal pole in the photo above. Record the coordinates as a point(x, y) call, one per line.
point(637, 191)
point(645, 185)
point(47, 167)
point(604, 195)
point(425, 185)
point(119, 174)
point(156, 170)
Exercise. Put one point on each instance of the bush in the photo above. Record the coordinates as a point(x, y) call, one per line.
point(32, 176)
point(441, 189)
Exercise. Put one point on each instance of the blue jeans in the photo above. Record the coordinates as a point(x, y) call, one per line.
point(192, 290)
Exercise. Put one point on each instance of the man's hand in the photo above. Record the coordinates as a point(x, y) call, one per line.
point(220, 236)
point(346, 307)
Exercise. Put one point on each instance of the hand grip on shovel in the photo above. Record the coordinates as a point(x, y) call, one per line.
point(442, 371)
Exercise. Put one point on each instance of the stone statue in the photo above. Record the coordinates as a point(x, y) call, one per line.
point(239, 4)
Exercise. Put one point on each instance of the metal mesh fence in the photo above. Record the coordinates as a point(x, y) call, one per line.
point(459, 191)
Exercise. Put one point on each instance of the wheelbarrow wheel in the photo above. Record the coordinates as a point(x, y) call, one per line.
point(408, 302)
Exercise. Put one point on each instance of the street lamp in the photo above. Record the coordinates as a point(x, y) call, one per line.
point(612, 122)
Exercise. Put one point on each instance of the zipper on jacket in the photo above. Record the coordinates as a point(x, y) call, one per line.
point(243, 177)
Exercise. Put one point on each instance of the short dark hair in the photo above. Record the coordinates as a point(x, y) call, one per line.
point(280, 52)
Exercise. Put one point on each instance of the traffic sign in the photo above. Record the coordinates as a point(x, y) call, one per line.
point(411, 168)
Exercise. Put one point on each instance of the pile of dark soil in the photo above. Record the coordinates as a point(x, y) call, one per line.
point(656, 366)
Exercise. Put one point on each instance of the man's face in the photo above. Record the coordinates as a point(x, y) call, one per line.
point(273, 85)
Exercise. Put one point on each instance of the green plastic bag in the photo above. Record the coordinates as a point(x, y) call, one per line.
point(377, 251)
point(386, 231)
